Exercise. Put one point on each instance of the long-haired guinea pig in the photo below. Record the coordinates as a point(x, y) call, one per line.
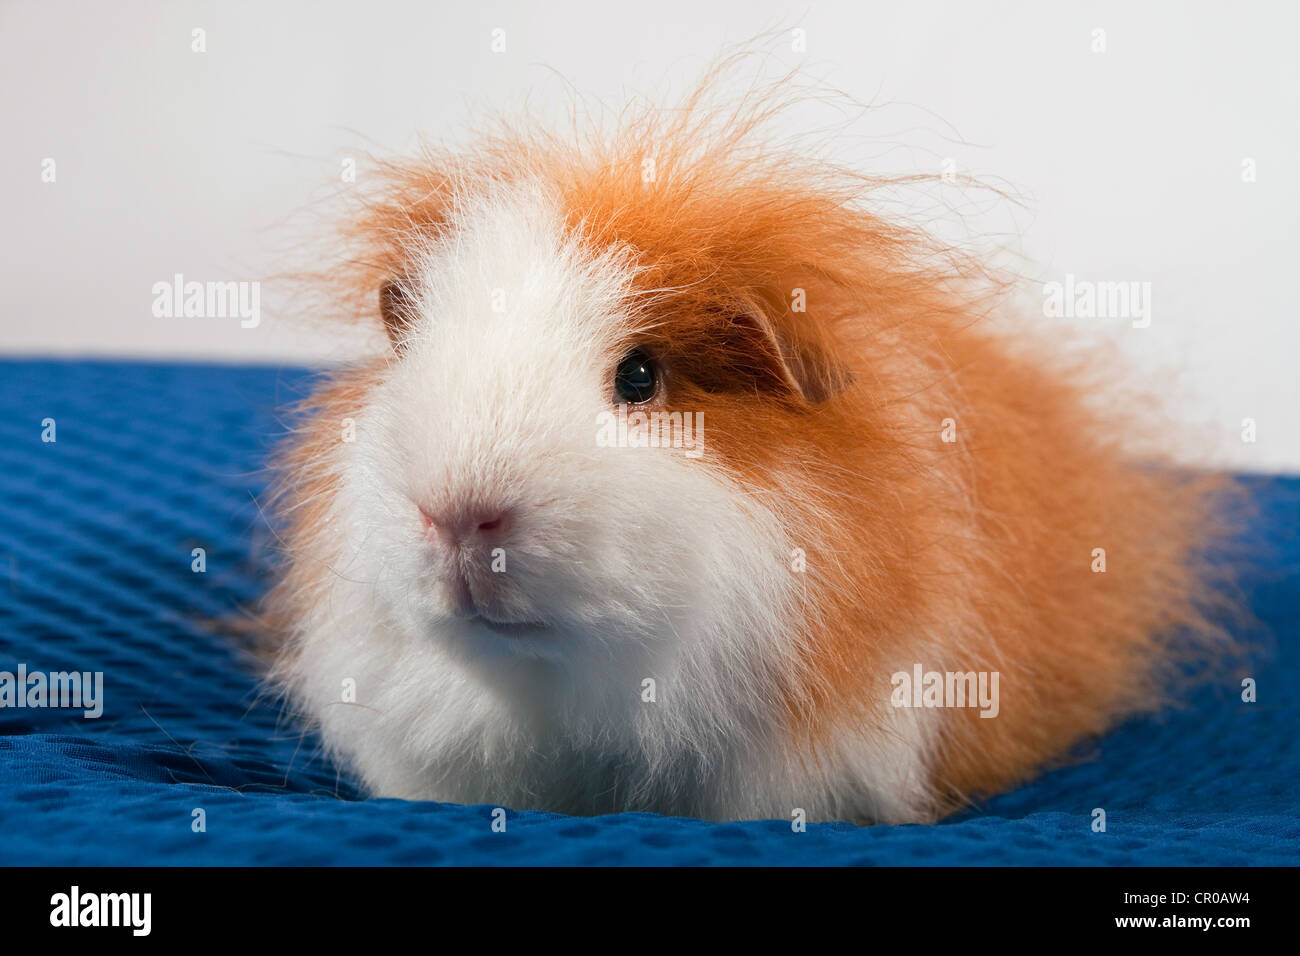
point(688, 482)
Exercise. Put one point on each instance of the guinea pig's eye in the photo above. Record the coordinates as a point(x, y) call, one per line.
point(635, 380)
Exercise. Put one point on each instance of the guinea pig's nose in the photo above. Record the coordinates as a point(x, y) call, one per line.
point(466, 526)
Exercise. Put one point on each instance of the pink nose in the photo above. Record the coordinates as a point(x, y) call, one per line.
point(485, 526)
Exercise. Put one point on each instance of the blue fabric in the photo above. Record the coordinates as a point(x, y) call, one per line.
point(152, 461)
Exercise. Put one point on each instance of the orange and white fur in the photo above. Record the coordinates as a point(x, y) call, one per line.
point(477, 593)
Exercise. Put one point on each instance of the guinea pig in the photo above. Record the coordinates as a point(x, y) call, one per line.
point(690, 482)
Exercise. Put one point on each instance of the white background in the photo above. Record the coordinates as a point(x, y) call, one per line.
point(1128, 162)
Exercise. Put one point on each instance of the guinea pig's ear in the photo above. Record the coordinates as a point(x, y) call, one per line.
point(397, 306)
point(805, 366)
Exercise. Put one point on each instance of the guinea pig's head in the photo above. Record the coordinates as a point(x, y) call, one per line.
point(565, 460)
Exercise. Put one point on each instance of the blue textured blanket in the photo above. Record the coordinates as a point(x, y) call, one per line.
point(97, 535)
